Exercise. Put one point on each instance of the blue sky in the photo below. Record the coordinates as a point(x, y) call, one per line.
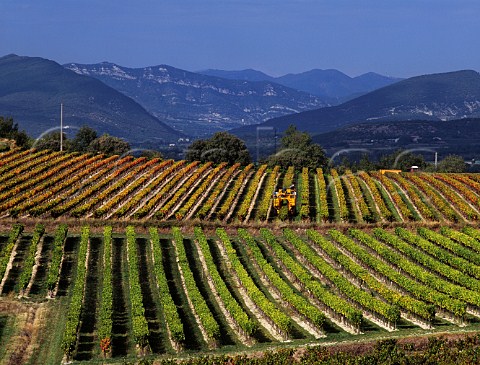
point(392, 37)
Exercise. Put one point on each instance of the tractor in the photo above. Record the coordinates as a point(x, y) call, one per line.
point(285, 196)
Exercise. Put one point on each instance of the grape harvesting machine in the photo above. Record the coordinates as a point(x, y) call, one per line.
point(285, 196)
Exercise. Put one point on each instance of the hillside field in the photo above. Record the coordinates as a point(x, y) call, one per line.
point(115, 259)
point(45, 185)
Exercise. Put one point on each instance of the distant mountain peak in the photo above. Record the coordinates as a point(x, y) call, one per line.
point(11, 55)
point(329, 84)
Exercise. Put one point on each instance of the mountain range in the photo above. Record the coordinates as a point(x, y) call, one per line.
point(330, 85)
point(32, 89)
point(142, 105)
point(197, 104)
point(445, 96)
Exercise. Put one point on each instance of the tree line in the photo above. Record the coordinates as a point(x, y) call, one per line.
point(403, 160)
point(296, 149)
point(86, 140)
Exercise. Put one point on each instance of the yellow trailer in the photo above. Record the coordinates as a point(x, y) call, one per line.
point(394, 171)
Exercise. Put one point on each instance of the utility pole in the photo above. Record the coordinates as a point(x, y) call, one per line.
point(436, 160)
point(275, 138)
point(61, 127)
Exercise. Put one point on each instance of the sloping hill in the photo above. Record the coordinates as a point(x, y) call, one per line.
point(445, 96)
point(199, 104)
point(378, 138)
point(31, 90)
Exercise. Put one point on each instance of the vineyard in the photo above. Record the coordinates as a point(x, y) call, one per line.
point(170, 292)
point(51, 185)
point(121, 257)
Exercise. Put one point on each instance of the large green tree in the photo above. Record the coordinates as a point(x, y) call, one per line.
point(51, 141)
point(298, 149)
point(84, 137)
point(365, 164)
point(9, 130)
point(452, 163)
point(221, 147)
point(109, 145)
